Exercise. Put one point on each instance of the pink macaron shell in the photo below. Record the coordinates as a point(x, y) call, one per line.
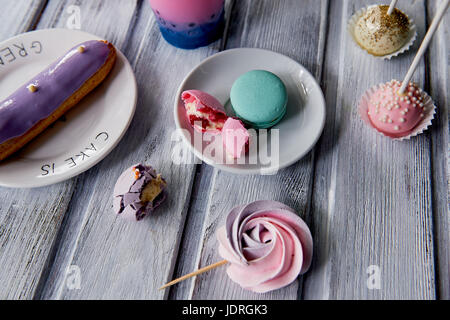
point(204, 98)
point(235, 138)
point(204, 102)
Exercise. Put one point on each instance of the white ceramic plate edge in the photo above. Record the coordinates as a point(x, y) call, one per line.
point(36, 182)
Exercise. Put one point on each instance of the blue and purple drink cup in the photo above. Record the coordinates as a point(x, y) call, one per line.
point(189, 24)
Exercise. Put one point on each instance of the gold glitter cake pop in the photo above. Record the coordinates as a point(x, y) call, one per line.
point(382, 34)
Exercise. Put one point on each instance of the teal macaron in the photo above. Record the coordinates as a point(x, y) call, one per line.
point(259, 98)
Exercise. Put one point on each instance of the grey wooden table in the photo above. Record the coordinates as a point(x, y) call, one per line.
point(376, 208)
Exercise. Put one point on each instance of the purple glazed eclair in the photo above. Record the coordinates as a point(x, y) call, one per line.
point(46, 97)
point(138, 191)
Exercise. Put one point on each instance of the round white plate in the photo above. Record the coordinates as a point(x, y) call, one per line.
point(298, 131)
point(87, 133)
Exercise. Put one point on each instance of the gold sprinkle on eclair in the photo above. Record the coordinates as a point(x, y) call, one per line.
point(32, 88)
point(81, 49)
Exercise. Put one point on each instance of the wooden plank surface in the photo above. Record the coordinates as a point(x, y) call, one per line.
point(372, 197)
point(120, 259)
point(192, 237)
point(59, 14)
point(368, 200)
point(19, 16)
point(29, 218)
point(439, 87)
point(292, 185)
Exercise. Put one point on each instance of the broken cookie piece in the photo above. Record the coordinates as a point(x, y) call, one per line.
point(138, 191)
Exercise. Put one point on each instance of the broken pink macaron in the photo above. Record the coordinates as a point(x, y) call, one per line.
point(266, 244)
point(235, 138)
point(138, 191)
point(204, 112)
point(394, 114)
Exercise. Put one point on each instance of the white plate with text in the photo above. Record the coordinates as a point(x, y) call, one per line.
point(86, 134)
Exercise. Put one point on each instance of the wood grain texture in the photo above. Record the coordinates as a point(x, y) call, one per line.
point(28, 248)
point(19, 16)
point(29, 218)
point(120, 259)
point(368, 200)
point(438, 86)
point(198, 206)
point(257, 24)
point(192, 237)
point(372, 196)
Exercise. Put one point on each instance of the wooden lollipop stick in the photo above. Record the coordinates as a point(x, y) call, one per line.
point(426, 41)
point(392, 7)
point(193, 274)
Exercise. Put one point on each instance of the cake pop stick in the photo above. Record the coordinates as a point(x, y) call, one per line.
point(265, 244)
point(195, 273)
point(426, 41)
point(392, 7)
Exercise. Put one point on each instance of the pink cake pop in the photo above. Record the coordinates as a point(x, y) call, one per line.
point(400, 109)
point(394, 114)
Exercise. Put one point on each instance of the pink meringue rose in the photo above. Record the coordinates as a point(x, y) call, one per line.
point(266, 244)
point(204, 112)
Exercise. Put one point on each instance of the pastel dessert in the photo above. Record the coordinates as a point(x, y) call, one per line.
point(50, 94)
point(259, 98)
point(204, 112)
point(266, 244)
point(381, 34)
point(189, 24)
point(235, 138)
point(138, 192)
point(394, 114)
